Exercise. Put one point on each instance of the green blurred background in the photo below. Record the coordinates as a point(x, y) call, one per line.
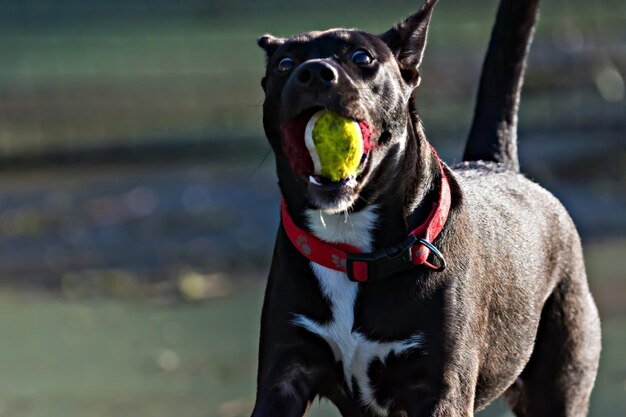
point(138, 202)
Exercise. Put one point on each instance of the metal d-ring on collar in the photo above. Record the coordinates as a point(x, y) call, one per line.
point(436, 252)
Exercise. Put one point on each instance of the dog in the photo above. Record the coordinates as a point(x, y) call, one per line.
point(414, 288)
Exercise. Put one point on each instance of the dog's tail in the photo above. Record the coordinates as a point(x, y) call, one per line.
point(493, 136)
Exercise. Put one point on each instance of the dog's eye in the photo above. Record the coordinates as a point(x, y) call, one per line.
point(362, 58)
point(286, 65)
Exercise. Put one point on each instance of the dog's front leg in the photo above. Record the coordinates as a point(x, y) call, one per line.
point(287, 384)
point(457, 398)
point(281, 401)
point(454, 395)
point(452, 409)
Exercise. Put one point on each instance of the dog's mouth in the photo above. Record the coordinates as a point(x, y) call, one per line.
point(331, 176)
point(350, 180)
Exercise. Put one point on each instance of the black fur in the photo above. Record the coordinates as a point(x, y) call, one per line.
point(493, 134)
point(512, 313)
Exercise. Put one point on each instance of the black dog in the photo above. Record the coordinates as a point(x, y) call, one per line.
point(358, 307)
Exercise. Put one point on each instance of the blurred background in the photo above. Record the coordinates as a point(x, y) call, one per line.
point(138, 202)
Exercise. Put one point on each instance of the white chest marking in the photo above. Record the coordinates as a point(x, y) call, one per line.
point(352, 348)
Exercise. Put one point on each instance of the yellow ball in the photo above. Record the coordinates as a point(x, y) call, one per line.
point(335, 144)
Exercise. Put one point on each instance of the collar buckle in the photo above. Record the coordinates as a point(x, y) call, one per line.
point(378, 265)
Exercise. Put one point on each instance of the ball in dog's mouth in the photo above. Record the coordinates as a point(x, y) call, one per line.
point(328, 149)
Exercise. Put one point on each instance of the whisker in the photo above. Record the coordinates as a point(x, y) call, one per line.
point(367, 201)
point(322, 219)
point(256, 169)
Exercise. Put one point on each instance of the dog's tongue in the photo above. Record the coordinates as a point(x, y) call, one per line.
point(301, 158)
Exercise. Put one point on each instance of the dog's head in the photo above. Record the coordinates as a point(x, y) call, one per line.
point(364, 77)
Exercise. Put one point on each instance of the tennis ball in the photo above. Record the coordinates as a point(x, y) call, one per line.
point(335, 144)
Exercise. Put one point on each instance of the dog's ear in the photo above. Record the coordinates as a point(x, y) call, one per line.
point(270, 44)
point(407, 41)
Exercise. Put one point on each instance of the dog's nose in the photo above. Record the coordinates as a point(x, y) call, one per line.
point(316, 75)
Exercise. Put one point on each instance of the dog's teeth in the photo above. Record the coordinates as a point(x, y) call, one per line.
point(314, 180)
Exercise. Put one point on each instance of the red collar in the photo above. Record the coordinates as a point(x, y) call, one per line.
point(375, 266)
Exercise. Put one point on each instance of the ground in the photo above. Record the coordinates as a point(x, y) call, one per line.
point(117, 358)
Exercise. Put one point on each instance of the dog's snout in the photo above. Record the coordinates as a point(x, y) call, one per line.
point(316, 75)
